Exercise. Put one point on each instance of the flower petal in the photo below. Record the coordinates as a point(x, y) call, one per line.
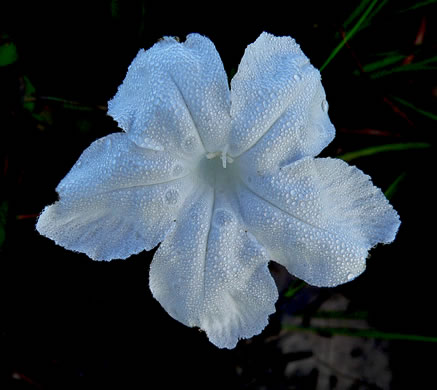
point(117, 200)
point(318, 218)
point(176, 97)
point(209, 272)
point(279, 107)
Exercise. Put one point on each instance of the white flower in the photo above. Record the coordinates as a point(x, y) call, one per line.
point(226, 180)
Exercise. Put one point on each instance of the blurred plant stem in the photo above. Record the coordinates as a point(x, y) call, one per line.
point(69, 104)
point(366, 333)
point(383, 148)
point(351, 33)
point(393, 188)
point(414, 108)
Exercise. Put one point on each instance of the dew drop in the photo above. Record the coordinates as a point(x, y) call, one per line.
point(223, 217)
point(172, 196)
point(150, 144)
point(325, 105)
point(177, 170)
point(189, 144)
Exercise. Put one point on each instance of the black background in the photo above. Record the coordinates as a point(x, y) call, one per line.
point(68, 322)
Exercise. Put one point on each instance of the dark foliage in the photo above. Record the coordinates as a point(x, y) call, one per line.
point(70, 323)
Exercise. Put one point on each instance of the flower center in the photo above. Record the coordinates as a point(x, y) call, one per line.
point(212, 170)
point(223, 156)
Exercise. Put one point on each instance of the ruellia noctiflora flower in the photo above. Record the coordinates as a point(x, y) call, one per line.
point(226, 179)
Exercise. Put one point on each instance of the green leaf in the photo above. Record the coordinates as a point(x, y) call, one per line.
point(350, 34)
point(8, 53)
point(294, 288)
point(115, 9)
point(370, 151)
point(366, 333)
point(355, 13)
point(368, 20)
point(393, 188)
point(428, 64)
point(383, 63)
point(29, 95)
point(419, 5)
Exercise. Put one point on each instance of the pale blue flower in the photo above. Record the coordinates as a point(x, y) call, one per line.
point(226, 179)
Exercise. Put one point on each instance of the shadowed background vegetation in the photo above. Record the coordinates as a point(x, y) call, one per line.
point(68, 322)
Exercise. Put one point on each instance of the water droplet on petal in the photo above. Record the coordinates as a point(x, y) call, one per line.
point(177, 170)
point(149, 144)
point(223, 217)
point(325, 105)
point(189, 144)
point(172, 196)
